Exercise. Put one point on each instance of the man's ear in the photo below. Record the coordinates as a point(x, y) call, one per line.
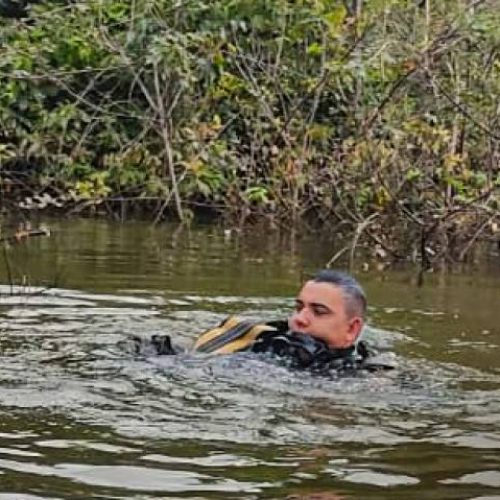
point(355, 327)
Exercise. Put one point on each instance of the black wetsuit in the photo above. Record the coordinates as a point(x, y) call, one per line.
point(306, 352)
point(298, 350)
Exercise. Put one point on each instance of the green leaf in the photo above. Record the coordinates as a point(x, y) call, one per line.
point(315, 49)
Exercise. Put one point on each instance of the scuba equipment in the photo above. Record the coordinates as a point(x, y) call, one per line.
point(304, 351)
point(300, 350)
point(232, 335)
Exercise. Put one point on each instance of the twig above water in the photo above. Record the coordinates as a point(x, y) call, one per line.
point(24, 234)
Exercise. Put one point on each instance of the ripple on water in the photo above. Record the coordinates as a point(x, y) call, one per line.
point(373, 478)
point(66, 357)
point(486, 478)
point(21, 496)
point(83, 444)
point(136, 478)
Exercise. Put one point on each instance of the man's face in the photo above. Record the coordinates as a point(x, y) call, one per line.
point(320, 311)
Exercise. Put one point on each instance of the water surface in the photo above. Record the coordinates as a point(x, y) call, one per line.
point(82, 416)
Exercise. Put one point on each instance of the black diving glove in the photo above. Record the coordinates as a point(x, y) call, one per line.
point(162, 345)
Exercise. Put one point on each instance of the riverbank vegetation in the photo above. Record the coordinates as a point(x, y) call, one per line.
point(378, 120)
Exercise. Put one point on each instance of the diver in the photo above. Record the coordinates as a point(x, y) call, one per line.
point(321, 335)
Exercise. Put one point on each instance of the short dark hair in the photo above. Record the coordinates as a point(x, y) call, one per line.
point(354, 295)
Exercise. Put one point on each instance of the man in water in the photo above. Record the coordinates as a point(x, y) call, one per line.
point(321, 334)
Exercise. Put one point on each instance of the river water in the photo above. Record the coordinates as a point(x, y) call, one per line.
point(82, 416)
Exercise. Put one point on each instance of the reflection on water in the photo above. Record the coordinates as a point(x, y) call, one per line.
point(83, 416)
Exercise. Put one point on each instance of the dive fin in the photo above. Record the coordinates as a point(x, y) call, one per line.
point(232, 335)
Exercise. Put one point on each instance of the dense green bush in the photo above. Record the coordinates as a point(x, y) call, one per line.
point(381, 117)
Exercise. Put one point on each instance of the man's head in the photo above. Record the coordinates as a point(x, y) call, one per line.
point(331, 307)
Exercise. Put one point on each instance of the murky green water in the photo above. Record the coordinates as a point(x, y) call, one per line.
point(82, 417)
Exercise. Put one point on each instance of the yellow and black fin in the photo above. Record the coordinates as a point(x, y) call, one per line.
point(232, 335)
